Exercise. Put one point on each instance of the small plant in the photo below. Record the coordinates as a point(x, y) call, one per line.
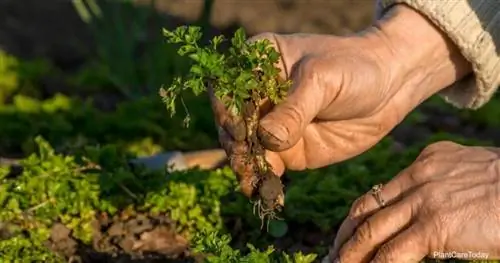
point(243, 78)
point(216, 248)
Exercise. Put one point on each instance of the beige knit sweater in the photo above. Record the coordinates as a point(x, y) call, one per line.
point(474, 26)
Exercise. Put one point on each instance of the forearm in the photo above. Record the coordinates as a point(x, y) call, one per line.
point(427, 59)
point(474, 28)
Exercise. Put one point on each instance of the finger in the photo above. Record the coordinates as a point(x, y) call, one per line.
point(265, 107)
point(345, 231)
point(367, 205)
point(391, 192)
point(239, 162)
point(285, 124)
point(232, 123)
point(237, 153)
point(244, 170)
point(377, 229)
point(410, 246)
point(231, 146)
point(276, 163)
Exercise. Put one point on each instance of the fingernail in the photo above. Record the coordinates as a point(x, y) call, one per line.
point(336, 260)
point(274, 132)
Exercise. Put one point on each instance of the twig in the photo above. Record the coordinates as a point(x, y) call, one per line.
point(124, 188)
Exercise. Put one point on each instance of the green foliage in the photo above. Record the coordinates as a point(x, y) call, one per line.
point(323, 196)
point(21, 76)
point(98, 180)
point(73, 189)
point(27, 248)
point(128, 57)
point(486, 116)
point(246, 72)
point(193, 199)
point(144, 147)
point(51, 188)
point(190, 198)
point(67, 123)
point(218, 250)
point(8, 77)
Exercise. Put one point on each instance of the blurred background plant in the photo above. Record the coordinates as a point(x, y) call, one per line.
point(129, 57)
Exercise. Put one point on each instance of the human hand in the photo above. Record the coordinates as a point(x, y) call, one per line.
point(329, 79)
point(448, 200)
point(347, 93)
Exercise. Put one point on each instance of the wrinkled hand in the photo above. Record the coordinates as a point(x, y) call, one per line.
point(344, 99)
point(348, 92)
point(448, 200)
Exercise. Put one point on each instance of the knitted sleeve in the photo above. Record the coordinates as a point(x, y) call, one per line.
point(474, 26)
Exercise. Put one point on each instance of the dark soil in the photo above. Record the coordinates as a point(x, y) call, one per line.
point(151, 239)
point(139, 238)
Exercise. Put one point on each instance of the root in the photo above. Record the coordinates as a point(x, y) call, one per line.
point(263, 213)
point(268, 185)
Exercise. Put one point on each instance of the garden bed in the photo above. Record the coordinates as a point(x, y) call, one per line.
point(73, 124)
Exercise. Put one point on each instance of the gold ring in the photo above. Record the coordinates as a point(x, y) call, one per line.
point(376, 190)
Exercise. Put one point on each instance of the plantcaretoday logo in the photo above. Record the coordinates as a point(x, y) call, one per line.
point(469, 255)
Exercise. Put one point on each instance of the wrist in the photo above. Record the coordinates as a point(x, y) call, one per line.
point(424, 58)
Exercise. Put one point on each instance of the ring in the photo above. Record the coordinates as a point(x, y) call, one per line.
point(376, 190)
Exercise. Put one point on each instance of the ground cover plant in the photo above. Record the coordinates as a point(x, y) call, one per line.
point(242, 78)
point(70, 203)
point(92, 207)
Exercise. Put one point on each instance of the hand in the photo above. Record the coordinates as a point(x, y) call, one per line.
point(448, 200)
point(347, 93)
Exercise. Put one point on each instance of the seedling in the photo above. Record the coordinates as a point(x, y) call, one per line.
point(247, 75)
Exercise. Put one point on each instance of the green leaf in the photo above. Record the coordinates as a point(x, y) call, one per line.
point(229, 73)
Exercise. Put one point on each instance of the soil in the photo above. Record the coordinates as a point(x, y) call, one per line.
point(130, 237)
point(139, 238)
point(150, 239)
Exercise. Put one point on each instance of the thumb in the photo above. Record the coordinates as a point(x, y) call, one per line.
point(282, 128)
